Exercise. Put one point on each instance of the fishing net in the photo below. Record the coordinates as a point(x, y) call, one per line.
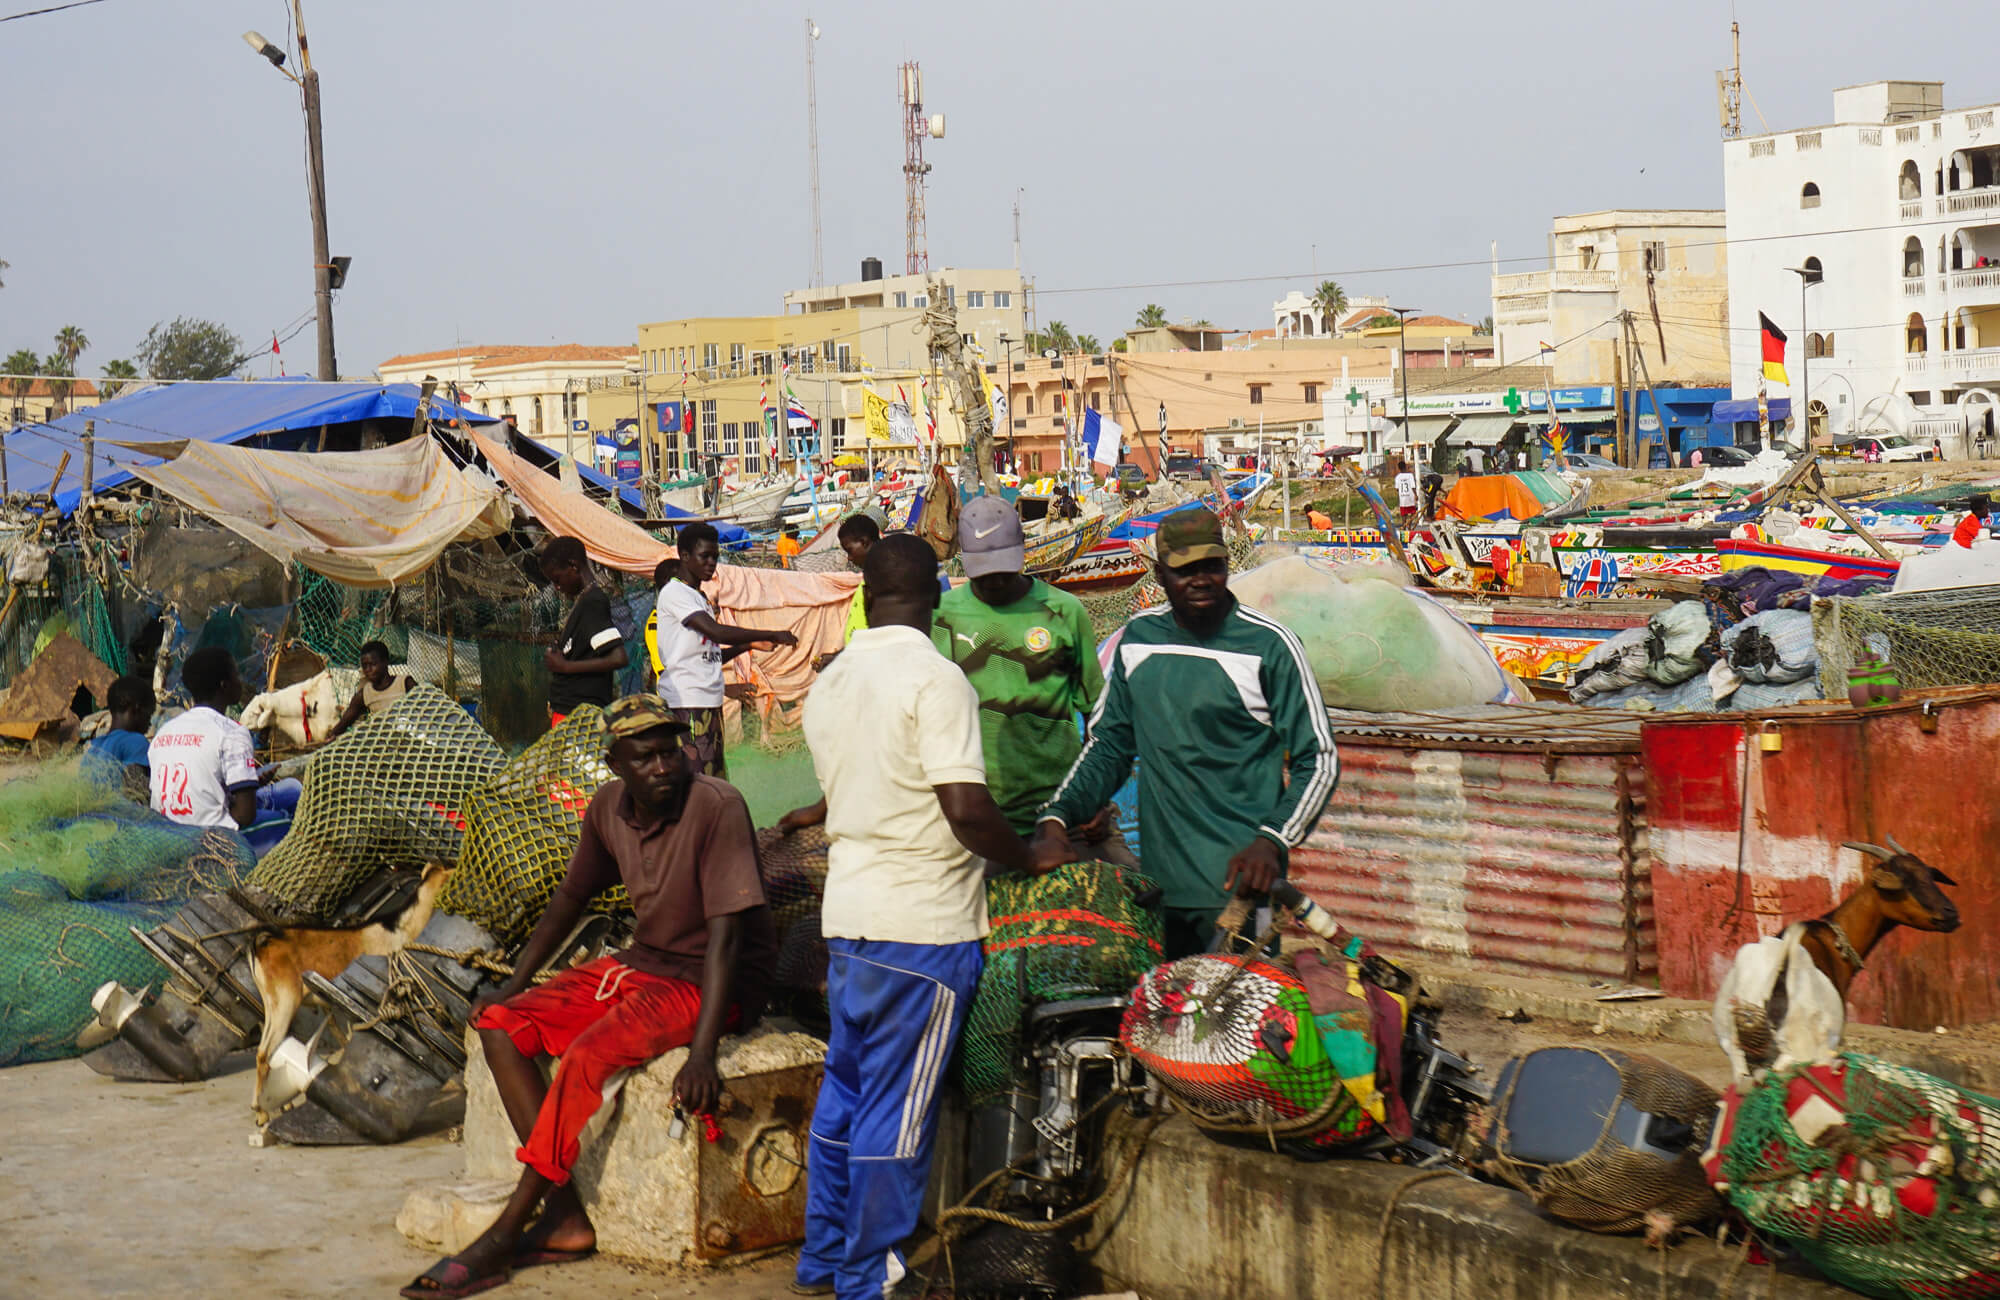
point(523, 824)
point(1075, 932)
point(88, 865)
point(390, 792)
point(794, 868)
point(1886, 1179)
point(1641, 1120)
point(1929, 638)
point(1111, 610)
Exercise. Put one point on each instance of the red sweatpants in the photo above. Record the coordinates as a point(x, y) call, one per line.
point(599, 1020)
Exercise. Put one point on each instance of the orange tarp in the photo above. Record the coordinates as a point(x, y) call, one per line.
point(1490, 496)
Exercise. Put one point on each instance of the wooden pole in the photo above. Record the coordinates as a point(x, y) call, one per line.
point(1617, 402)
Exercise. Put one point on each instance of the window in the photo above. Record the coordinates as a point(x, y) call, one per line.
point(670, 450)
point(950, 296)
point(535, 415)
point(760, 363)
point(570, 403)
point(1916, 337)
point(1809, 196)
point(708, 356)
point(1913, 257)
point(1586, 257)
point(1312, 392)
point(1812, 270)
point(902, 300)
point(923, 301)
point(1256, 394)
point(805, 360)
point(970, 340)
point(1002, 298)
point(826, 351)
point(753, 450)
point(975, 298)
point(837, 431)
point(1028, 404)
point(845, 360)
point(1656, 256)
point(708, 429)
point(732, 442)
point(1826, 344)
point(736, 351)
point(1094, 404)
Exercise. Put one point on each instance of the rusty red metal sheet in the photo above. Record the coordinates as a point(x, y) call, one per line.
point(750, 1186)
point(1522, 861)
point(1746, 840)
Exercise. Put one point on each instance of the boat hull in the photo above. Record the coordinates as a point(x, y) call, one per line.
point(1737, 553)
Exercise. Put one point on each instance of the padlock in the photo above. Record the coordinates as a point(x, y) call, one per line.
point(1927, 718)
point(1769, 739)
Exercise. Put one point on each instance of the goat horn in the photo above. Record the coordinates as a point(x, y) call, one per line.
point(1899, 848)
point(1875, 849)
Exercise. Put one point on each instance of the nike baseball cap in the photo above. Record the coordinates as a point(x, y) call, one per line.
point(1190, 536)
point(990, 537)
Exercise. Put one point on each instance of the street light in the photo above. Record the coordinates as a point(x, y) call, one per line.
point(1007, 342)
point(327, 274)
point(1808, 276)
point(1403, 364)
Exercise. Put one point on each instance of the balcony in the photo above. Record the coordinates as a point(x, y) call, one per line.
point(1974, 364)
point(1982, 201)
point(1534, 282)
point(1915, 286)
point(1913, 210)
point(1986, 277)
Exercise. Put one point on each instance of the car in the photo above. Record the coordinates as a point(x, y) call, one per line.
point(1588, 460)
point(1888, 447)
point(1131, 480)
point(1186, 467)
point(1725, 457)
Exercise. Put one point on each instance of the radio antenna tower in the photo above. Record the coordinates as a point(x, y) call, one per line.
point(812, 148)
point(1729, 87)
point(910, 87)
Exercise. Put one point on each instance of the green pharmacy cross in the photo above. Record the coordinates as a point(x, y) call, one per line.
point(1354, 396)
point(1514, 401)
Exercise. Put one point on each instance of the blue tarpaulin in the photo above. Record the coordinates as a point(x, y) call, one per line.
point(731, 536)
point(222, 413)
point(1744, 410)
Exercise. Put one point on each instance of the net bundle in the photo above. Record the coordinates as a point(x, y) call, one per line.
point(523, 824)
point(1928, 638)
point(794, 868)
point(1234, 1039)
point(390, 792)
point(1613, 1186)
point(1076, 932)
point(87, 866)
point(1885, 1178)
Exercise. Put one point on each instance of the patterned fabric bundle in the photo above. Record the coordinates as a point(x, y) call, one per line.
point(1077, 932)
point(1885, 1178)
point(1236, 1040)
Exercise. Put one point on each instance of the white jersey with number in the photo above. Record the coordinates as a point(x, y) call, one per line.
point(197, 759)
point(1406, 490)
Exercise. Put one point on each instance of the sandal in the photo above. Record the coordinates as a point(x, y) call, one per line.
point(448, 1280)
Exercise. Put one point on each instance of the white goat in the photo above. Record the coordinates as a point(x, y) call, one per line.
point(304, 711)
point(1776, 1008)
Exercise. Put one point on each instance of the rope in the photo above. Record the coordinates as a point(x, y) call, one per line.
point(406, 994)
point(1388, 1212)
point(488, 960)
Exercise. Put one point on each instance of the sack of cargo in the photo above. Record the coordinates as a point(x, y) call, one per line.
point(1680, 643)
point(1772, 648)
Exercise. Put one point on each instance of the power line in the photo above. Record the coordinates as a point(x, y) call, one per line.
point(52, 9)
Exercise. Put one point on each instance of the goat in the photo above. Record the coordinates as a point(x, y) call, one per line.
point(1900, 889)
point(1773, 1010)
point(304, 712)
point(280, 959)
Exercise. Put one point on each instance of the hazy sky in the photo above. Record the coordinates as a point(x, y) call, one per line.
point(502, 171)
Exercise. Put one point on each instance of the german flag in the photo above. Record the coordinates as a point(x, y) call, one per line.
point(1774, 350)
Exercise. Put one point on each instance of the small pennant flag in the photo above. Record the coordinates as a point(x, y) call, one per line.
point(1774, 349)
point(797, 417)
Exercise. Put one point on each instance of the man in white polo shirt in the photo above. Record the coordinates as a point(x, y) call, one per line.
point(894, 731)
point(203, 766)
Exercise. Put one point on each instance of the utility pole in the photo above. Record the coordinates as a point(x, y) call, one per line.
point(329, 371)
point(1639, 369)
point(812, 147)
point(1617, 402)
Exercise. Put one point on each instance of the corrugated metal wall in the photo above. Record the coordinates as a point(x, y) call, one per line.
point(1504, 856)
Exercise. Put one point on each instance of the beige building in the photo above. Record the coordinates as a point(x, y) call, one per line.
point(40, 403)
point(545, 389)
point(1668, 268)
point(991, 306)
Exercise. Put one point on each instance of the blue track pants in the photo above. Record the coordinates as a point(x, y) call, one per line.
point(896, 1010)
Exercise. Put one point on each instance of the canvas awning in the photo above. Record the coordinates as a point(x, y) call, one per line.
point(1425, 428)
point(363, 518)
point(1481, 429)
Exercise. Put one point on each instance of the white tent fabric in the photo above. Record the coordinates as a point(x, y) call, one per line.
point(364, 518)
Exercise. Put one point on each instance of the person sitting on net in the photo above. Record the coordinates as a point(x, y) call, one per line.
point(109, 756)
point(379, 688)
point(204, 766)
point(703, 945)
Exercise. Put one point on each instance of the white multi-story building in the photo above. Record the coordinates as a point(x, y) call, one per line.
point(547, 390)
point(1296, 316)
point(1892, 211)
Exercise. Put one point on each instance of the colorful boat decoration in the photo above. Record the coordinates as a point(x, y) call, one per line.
point(1597, 570)
point(1740, 553)
point(1046, 555)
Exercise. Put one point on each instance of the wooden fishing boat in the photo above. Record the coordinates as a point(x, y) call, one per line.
point(1740, 553)
point(1053, 551)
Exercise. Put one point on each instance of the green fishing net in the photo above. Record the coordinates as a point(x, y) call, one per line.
point(1885, 1178)
point(522, 825)
point(86, 865)
point(1076, 932)
point(390, 792)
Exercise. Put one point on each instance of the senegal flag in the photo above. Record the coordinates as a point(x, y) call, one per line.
point(1774, 350)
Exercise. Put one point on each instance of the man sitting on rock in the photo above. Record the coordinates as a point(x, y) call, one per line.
point(683, 847)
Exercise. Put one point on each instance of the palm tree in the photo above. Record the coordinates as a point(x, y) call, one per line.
point(1059, 337)
point(1485, 324)
point(22, 367)
point(3, 271)
point(1087, 343)
point(70, 344)
point(115, 375)
point(57, 372)
point(1331, 300)
point(1151, 317)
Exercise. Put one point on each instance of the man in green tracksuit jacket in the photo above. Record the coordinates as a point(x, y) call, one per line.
point(1220, 707)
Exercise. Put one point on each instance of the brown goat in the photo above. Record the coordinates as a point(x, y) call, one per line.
point(1900, 889)
point(281, 959)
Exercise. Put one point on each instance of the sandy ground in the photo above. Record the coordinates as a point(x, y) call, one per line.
point(117, 1189)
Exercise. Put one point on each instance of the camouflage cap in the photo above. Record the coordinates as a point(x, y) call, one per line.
point(1190, 536)
point(635, 715)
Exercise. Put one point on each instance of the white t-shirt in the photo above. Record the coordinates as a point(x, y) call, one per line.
point(1406, 490)
point(886, 721)
point(690, 663)
point(197, 759)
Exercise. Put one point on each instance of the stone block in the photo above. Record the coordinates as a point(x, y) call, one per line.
point(672, 1200)
point(447, 1218)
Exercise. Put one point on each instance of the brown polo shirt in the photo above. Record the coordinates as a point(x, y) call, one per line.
point(681, 871)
